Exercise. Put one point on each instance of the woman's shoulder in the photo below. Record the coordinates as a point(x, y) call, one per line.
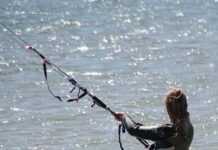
point(167, 129)
point(184, 135)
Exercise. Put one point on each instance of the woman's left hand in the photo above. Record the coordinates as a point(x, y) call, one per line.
point(119, 116)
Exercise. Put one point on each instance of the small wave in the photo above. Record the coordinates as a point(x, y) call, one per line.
point(140, 32)
point(7, 68)
point(68, 23)
point(52, 38)
point(2, 109)
point(91, 1)
point(93, 74)
point(29, 29)
point(180, 14)
point(108, 58)
point(111, 82)
point(2, 63)
point(15, 109)
point(75, 38)
point(5, 122)
point(83, 48)
point(46, 28)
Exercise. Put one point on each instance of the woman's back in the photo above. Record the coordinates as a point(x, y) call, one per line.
point(183, 139)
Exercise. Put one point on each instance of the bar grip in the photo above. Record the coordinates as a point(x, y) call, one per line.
point(98, 102)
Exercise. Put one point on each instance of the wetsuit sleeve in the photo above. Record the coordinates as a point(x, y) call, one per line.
point(151, 133)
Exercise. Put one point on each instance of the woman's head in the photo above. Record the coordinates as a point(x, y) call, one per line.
point(176, 105)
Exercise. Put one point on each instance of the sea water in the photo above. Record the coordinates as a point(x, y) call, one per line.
point(129, 53)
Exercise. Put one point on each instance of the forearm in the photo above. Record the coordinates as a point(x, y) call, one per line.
point(150, 133)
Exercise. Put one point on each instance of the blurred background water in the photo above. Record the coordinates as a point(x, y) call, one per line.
point(128, 53)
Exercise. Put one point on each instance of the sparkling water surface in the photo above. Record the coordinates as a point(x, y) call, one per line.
point(129, 53)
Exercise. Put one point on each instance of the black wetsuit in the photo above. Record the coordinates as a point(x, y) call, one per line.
point(160, 135)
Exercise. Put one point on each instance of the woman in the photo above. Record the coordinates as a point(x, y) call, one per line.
point(177, 135)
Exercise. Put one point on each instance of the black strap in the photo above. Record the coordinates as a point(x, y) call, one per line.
point(122, 129)
point(143, 142)
point(47, 83)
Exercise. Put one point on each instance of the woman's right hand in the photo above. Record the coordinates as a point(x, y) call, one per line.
point(119, 116)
